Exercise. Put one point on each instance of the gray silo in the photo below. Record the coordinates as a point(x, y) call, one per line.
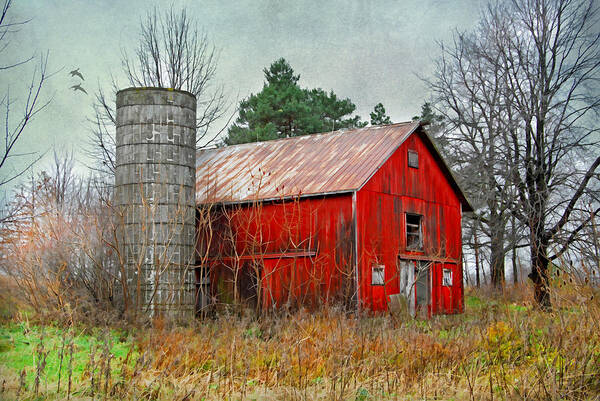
point(154, 190)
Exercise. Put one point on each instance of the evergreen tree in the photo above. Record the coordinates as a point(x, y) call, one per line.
point(283, 109)
point(430, 117)
point(378, 116)
point(434, 124)
point(280, 73)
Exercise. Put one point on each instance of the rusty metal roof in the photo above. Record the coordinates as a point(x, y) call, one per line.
point(326, 163)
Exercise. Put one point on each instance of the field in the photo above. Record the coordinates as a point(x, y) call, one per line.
point(500, 348)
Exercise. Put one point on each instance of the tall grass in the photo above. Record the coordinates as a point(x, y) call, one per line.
point(500, 348)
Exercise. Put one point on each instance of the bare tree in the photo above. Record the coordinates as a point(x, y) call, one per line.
point(583, 256)
point(469, 93)
point(15, 122)
point(550, 54)
point(172, 53)
point(54, 250)
point(545, 59)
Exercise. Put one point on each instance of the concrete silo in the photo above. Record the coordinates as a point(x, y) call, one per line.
point(154, 192)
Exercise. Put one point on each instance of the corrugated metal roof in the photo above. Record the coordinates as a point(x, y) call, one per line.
point(324, 163)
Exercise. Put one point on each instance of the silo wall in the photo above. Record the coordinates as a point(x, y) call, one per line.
point(154, 194)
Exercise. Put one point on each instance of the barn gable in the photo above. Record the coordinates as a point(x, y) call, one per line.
point(411, 187)
point(319, 164)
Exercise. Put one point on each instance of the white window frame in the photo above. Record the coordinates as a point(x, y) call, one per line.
point(378, 275)
point(447, 277)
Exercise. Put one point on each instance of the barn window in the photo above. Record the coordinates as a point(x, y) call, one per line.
point(378, 275)
point(413, 159)
point(414, 233)
point(447, 278)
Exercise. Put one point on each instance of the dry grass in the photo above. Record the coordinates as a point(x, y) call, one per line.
point(500, 348)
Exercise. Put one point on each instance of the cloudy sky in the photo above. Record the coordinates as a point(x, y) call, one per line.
point(367, 50)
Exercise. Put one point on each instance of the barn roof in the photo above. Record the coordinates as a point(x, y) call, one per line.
point(318, 164)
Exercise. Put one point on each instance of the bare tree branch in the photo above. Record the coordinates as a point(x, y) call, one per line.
point(172, 53)
point(520, 92)
point(32, 105)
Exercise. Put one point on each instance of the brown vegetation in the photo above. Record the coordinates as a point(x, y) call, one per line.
point(501, 348)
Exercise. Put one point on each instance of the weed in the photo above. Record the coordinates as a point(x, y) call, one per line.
point(500, 348)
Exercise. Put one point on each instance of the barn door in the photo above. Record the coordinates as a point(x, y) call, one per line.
point(415, 288)
point(407, 284)
point(249, 281)
point(422, 287)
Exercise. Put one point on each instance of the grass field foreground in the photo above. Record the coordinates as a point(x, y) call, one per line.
point(500, 348)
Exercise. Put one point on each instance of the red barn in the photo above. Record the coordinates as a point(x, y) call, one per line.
point(348, 216)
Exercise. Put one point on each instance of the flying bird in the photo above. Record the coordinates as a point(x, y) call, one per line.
point(76, 73)
point(78, 88)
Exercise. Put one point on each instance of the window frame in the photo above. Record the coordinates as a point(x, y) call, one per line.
point(450, 273)
point(409, 245)
point(415, 154)
point(377, 279)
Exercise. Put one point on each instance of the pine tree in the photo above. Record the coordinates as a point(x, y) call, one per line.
point(378, 116)
point(283, 109)
point(434, 124)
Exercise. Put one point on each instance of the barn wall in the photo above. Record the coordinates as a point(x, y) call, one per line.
point(381, 206)
point(302, 249)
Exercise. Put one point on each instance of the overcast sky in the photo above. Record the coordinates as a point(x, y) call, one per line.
point(367, 50)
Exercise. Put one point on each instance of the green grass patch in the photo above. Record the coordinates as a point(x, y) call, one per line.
point(21, 347)
point(517, 308)
point(473, 302)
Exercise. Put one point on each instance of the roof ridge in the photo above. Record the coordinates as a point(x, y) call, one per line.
point(313, 135)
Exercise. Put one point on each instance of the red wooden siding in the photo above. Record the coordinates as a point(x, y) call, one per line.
point(394, 190)
point(304, 249)
point(309, 248)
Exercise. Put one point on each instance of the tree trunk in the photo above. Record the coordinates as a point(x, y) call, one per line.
point(515, 269)
point(477, 279)
point(540, 274)
point(595, 239)
point(497, 260)
point(514, 265)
